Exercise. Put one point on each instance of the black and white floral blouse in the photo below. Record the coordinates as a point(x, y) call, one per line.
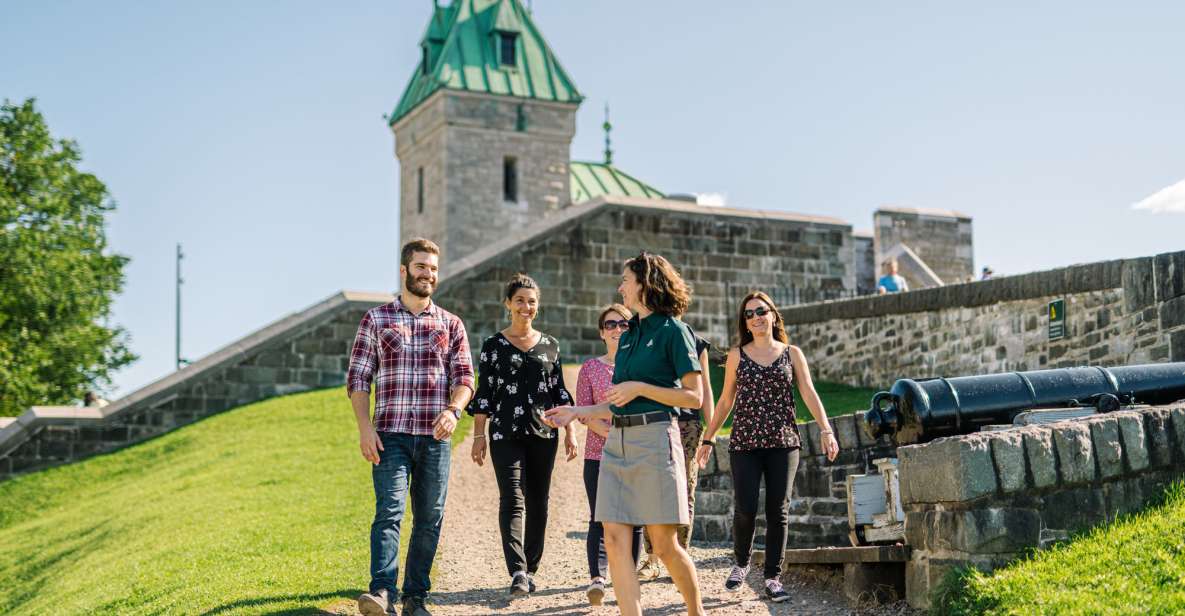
point(515, 387)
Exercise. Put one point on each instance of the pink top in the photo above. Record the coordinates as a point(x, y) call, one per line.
point(596, 377)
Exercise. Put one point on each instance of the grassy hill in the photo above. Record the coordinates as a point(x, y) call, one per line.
point(263, 509)
point(1135, 565)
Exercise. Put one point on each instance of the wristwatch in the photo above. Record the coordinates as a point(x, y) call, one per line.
point(456, 411)
point(711, 443)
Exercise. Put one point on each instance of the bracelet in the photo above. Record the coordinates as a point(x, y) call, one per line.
point(477, 436)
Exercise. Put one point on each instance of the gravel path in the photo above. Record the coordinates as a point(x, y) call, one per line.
point(471, 579)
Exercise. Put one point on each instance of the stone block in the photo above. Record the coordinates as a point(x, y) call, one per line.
point(1108, 449)
point(713, 503)
point(833, 507)
point(1008, 454)
point(1157, 427)
point(1074, 452)
point(1074, 509)
point(952, 469)
point(1177, 415)
point(723, 464)
point(1170, 275)
point(845, 431)
point(873, 582)
point(992, 530)
point(862, 433)
point(1135, 446)
point(1139, 288)
point(1172, 312)
point(1123, 497)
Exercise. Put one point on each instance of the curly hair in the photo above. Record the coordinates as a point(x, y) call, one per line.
point(663, 289)
point(743, 333)
point(521, 281)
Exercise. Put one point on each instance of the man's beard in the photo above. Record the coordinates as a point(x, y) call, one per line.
point(419, 288)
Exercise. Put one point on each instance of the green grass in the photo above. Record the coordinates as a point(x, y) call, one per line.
point(1135, 565)
point(263, 509)
point(837, 399)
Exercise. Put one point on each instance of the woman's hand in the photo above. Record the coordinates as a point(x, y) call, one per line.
point(478, 453)
point(703, 454)
point(570, 447)
point(622, 393)
point(559, 416)
point(830, 445)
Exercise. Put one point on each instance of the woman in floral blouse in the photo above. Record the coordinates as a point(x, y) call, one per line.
point(592, 386)
point(519, 377)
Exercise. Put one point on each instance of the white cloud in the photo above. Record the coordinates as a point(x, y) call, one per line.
point(1170, 199)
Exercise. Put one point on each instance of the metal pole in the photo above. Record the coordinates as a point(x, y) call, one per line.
point(177, 356)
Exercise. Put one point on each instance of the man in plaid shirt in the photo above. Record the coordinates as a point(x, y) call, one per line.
point(417, 355)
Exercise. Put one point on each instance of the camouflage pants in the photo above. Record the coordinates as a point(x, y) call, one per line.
point(690, 430)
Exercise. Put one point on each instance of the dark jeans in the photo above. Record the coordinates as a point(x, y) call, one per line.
point(523, 469)
point(424, 462)
point(778, 467)
point(598, 561)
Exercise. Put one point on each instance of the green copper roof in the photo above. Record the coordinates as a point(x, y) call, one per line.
point(460, 52)
point(591, 180)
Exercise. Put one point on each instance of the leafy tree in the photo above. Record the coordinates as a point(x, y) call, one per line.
point(57, 279)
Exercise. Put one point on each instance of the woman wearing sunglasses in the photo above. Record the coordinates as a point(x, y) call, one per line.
point(592, 387)
point(759, 380)
point(520, 376)
point(642, 480)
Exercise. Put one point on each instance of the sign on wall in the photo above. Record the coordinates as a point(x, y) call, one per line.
point(1057, 319)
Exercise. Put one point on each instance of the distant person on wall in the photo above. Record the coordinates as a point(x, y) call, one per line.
point(642, 481)
point(592, 388)
point(759, 380)
point(417, 355)
point(520, 376)
point(986, 274)
point(891, 282)
point(691, 428)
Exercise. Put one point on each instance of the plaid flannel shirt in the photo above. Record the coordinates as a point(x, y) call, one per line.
point(414, 361)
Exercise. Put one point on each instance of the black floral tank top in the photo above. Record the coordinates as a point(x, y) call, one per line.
point(763, 416)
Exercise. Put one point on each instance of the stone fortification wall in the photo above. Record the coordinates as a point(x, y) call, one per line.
point(304, 351)
point(577, 258)
point(942, 238)
point(1116, 312)
point(985, 499)
point(818, 506)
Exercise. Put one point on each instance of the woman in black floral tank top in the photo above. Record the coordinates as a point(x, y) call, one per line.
point(759, 381)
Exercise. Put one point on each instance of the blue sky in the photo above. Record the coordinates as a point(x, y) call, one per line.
point(252, 132)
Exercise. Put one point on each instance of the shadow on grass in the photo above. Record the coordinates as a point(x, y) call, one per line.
point(263, 602)
point(34, 570)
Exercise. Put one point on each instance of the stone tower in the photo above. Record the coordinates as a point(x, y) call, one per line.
point(484, 128)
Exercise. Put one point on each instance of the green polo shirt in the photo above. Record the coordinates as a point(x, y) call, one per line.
point(657, 350)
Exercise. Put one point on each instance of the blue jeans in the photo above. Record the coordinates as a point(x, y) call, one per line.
point(424, 462)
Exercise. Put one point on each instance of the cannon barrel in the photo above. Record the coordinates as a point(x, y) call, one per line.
point(918, 410)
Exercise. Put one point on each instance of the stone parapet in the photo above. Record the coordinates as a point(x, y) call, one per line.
point(987, 498)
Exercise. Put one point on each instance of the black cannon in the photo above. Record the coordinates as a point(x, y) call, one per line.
point(920, 410)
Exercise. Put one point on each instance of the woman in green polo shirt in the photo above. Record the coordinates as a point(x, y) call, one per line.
point(642, 481)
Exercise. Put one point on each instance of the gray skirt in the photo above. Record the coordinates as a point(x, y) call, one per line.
point(642, 479)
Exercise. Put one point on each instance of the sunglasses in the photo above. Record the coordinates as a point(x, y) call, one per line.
point(611, 324)
point(759, 312)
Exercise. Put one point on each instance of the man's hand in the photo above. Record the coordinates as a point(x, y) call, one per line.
point(444, 425)
point(370, 443)
point(570, 447)
point(478, 453)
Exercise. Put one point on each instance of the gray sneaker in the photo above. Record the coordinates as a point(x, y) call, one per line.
point(736, 578)
point(596, 591)
point(373, 604)
point(414, 606)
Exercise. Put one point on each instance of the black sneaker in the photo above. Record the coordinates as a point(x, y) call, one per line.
point(736, 579)
point(520, 585)
point(414, 606)
point(774, 591)
point(531, 582)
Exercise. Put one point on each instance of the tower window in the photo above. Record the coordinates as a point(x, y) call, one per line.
point(510, 179)
point(420, 190)
point(506, 49)
point(424, 59)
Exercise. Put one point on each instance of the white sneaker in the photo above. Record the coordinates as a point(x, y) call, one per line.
point(736, 578)
point(775, 592)
point(596, 591)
